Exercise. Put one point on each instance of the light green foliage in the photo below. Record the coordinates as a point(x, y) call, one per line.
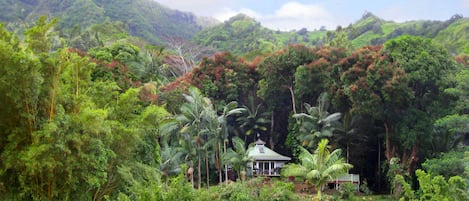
point(455, 36)
point(179, 189)
point(125, 53)
point(254, 189)
point(408, 193)
point(340, 40)
point(39, 37)
point(433, 188)
point(347, 191)
point(66, 137)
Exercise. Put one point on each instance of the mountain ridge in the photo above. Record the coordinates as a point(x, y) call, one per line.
point(369, 30)
point(241, 34)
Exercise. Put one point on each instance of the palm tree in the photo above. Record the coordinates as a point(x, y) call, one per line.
point(317, 122)
point(239, 157)
point(195, 125)
point(348, 133)
point(252, 120)
point(170, 161)
point(320, 167)
point(222, 134)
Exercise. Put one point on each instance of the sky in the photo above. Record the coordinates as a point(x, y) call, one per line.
point(288, 15)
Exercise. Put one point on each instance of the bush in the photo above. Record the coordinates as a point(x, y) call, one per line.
point(365, 189)
point(254, 189)
point(448, 164)
point(179, 190)
point(434, 188)
point(278, 191)
point(347, 191)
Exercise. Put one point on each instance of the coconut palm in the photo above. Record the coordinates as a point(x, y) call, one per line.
point(222, 133)
point(320, 167)
point(191, 128)
point(252, 120)
point(239, 157)
point(317, 122)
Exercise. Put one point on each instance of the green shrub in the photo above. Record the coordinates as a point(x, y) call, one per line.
point(278, 191)
point(434, 188)
point(347, 191)
point(365, 189)
point(179, 190)
point(448, 164)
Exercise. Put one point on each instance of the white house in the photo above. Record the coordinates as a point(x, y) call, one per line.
point(266, 161)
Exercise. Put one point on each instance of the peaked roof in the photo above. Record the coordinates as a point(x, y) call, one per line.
point(261, 152)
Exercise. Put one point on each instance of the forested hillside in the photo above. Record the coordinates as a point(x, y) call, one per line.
point(104, 113)
point(143, 18)
point(240, 35)
point(243, 35)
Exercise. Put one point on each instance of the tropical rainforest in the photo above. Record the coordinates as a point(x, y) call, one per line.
point(131, 100)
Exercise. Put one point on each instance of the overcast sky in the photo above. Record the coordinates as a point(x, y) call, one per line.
point(312, 14)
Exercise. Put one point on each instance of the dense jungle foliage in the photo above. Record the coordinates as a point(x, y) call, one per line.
point(104, 115)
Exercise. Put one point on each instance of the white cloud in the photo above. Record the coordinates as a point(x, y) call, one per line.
point(289, 16)
point(227, 13)
point(293, 15)
point(298, 10)
point(199, 7)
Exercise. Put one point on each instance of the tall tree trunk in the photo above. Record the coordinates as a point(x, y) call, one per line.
point(412, 159)
point(199, 173)
point(388, 143)
point(53, 93)
point(218, 163)
point(271, 141)
point(379, 165)
point(190, 172)
point(318, 193)
point(207, 170)
point(226, 167)
point(348, 153)
point(292, 93)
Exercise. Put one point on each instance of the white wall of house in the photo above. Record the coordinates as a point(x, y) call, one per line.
point(268, 168)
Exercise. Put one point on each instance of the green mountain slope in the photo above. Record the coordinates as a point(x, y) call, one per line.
point(144, 18)
point(455, 37)
point(371, 30)
point(243, 35)
point(240, 35)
